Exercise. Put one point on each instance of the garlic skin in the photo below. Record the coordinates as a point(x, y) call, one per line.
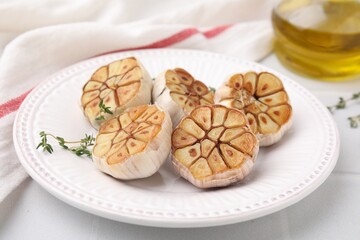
point(178, 93)
point(161, 96)
point(214, 147)
point(264, 100)
point(125, 161)
point(218, 180)
point(270, 139)
point(121, 84)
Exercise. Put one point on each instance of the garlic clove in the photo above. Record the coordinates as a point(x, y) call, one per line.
point(181, 138)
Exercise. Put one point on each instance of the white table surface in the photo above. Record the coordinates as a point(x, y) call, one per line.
point(330, 212)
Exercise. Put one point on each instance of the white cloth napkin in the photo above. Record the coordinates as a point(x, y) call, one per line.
point(41, 37)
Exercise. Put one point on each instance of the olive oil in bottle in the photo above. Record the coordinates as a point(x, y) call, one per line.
point(319, 38)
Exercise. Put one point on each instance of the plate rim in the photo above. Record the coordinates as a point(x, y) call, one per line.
point(173, 221)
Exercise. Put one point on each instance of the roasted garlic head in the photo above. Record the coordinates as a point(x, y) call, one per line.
point(213, 146)
point(121, 84)
point(135, 143)
point(264, 100)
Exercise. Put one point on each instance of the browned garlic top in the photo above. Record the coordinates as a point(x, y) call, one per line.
point(212, 140)
point(262, 97)
point(186, 91)
point(116, 84)
point(128, 134)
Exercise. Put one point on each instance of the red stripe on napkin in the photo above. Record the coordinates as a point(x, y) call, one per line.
point(12, 105)
point(216, 31)
point(177, 37)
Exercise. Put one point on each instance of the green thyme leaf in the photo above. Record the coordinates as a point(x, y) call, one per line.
point(354, 121)
point(100, 118)
point(103, 109)
point(342, 103)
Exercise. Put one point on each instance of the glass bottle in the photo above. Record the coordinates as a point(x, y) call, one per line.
point(319, 38)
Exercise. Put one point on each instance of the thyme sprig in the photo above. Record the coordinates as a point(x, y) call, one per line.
point(354, 121)
point(79, 150)
point(342, 102)
point(103, 109)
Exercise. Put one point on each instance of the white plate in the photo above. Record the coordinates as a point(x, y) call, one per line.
point(283, 174)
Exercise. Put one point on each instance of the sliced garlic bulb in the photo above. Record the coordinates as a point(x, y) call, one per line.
point(133, 144)
point(121, 84)
point(263, 99)
point(179, 93)
point(213, 146)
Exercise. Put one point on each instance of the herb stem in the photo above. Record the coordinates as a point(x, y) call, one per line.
point(103, 109)
point(212, 89)
point(57, 138)
point(342, 102)
point(79, 150)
